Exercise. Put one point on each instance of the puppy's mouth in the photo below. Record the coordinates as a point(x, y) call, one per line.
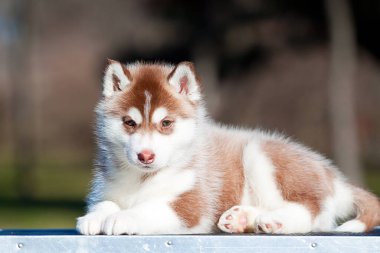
point(148, 168)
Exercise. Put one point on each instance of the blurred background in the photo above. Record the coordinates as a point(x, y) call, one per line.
point(309, 69)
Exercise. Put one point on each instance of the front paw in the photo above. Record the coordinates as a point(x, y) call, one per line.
point(90, 224)
point(120, 223)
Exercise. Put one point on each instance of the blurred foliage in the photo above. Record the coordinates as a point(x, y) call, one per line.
point(58, 198)
point(36, 214)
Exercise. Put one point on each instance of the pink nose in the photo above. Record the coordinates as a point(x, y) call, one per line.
point(146, 156)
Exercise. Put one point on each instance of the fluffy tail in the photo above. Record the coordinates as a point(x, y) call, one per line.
point(367, 206)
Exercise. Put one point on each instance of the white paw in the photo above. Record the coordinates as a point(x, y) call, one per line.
point(91, 223)
point(353, 226)
point(120, 223)
point(236, 220)
point(266, 223)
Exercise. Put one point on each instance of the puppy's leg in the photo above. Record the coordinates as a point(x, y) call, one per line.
point(292, 218)
point(147, 218)
point(91, 223)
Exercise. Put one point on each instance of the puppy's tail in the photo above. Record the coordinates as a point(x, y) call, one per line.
point(367, 207)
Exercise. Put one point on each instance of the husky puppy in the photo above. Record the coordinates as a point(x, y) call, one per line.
point(163, 167)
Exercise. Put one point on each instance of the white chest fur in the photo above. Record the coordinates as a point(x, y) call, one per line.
point(127, 188)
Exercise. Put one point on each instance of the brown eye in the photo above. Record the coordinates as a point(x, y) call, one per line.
point(166, 123)
point(129, 122)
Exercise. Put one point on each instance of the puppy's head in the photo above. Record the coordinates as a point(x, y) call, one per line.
point(150, 112)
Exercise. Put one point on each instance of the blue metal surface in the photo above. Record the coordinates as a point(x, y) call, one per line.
point(41, 232)
point(37, 232)
point(67, 240)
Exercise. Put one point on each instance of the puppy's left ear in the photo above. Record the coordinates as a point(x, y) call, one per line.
point(184, 80)
point(116, 78)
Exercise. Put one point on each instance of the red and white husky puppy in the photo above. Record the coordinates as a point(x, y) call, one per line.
point(163, 167)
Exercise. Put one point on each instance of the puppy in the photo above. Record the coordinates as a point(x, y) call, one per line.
point(163, 167)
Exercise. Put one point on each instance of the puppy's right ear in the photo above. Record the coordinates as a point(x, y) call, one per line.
point(116, 78)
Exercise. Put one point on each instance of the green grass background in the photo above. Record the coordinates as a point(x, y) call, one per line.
point(58, 195)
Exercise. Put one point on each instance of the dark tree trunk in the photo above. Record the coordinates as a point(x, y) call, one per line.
point(343, 51)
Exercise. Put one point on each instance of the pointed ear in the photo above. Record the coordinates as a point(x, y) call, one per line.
point(184, 80)
point(116, 78)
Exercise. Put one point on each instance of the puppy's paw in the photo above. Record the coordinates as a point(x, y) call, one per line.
point(90, 224)
point(267, 223)
point(120, 223)
point(238, 219)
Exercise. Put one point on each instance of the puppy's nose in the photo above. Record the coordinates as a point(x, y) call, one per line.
point(146, 156)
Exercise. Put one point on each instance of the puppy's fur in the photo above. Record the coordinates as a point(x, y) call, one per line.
point(164, 167)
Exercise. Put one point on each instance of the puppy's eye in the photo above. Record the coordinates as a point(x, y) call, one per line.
point(129, 122)
point(166, 123)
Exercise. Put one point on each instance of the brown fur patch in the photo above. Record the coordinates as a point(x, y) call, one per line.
point(300, 178)
point(367, 206)
point(230, 165)
point(189, 207)
point(126, 72)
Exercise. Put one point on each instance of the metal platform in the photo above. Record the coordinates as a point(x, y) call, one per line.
point(68, 240)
